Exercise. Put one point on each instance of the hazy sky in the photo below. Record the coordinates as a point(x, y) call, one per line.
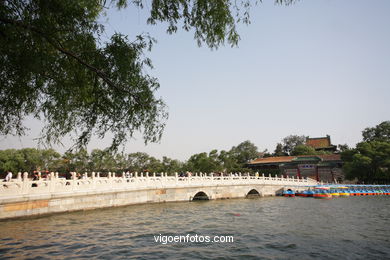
point(314, 68)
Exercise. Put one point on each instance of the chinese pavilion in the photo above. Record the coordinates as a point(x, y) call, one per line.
point(325, 167)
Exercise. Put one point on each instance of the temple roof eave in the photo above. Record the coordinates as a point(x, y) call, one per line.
point(276, 161)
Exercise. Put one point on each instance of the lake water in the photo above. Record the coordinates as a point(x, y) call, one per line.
point(264, 228)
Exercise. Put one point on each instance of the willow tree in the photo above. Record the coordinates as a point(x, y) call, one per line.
point(54, 65)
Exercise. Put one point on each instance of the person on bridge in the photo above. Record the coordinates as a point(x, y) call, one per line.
point(8, 178)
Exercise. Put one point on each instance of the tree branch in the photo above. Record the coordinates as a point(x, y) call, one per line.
point(68, 53)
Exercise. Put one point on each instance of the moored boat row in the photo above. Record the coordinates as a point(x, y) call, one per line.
point(329, 191)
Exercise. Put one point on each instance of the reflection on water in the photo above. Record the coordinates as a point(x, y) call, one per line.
point(269, 228)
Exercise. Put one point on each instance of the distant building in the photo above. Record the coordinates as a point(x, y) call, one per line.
point(325, 167)
point(321, 144)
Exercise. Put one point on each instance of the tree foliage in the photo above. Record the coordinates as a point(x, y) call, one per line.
point(290, 142)
point(203, 162)
point(279, 150)
point(369, 162)
point(379, 133)
point(244, 152)
point(234, 160)
point(30, 159)
point(55, 66)
point(302, 149)
point(343, 147)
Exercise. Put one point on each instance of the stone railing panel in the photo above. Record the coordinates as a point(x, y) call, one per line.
point(94, 183)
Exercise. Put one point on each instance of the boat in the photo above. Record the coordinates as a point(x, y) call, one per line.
point(288, 193)
point(322, 193)
point(305, 193)
point(344, 192)
point(354, 192)
point(310, 193)
point(360, 192)
point(334, 192)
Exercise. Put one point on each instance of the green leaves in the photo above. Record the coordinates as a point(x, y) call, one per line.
point(212, 21)
point(55, 66)
point(52, 66)
point(302, 149)
point(380, 132)
point(233, 160)
point(28, 159)
point(370, 160)
point(291, 141)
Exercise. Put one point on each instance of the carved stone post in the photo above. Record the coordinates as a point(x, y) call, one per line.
point(25, 176)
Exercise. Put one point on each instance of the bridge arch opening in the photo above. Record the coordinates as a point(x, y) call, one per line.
point(253, 194)
point(200, 196)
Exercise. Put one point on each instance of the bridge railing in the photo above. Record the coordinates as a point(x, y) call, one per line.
point(92, 182)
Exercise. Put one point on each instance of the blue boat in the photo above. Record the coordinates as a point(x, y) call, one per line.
point(289, 193)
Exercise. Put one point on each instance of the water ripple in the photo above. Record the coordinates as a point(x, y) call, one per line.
point(265, 228)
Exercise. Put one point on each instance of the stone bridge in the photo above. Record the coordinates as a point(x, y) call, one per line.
point(25, 197)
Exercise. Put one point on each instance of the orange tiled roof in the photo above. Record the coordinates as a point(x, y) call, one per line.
point(282, 159)
point(330, 157)
point(321, 142)
point(278, 159)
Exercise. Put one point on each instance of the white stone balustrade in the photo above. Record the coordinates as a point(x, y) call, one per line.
point(94, 183)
